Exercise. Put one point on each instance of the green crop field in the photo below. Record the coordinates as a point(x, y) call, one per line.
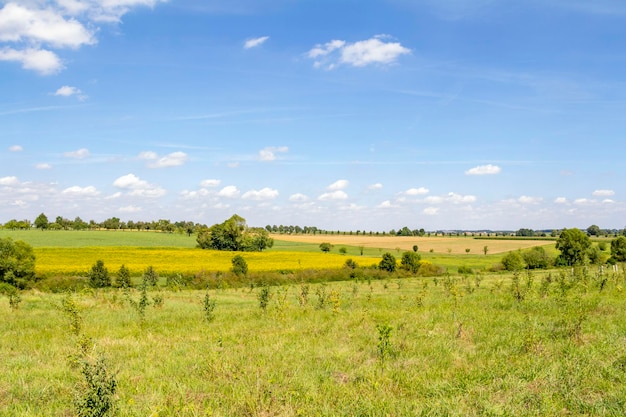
point(538, 344)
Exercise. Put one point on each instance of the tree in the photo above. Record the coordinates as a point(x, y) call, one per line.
point(594, 230)
point(410, 262)
point(41, 222)
point(99, 275)
point(325, 247)
point(415, 248)
point(17, 262)
point(513, 261)
point(388, 263)
point(234, 235)
point(240, 266)
point(485, 249)
point(573, 244)
point(123, 277)
point(151, 276)
point(536, 258)
point(618, 249)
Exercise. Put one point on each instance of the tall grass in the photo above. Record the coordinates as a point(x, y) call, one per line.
point(457, 346)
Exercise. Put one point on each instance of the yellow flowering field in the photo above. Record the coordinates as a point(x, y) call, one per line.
point(78, 261)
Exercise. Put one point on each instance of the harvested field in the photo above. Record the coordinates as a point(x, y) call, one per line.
point(438, 244)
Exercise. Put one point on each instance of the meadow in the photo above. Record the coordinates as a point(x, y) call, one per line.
point(529, 344)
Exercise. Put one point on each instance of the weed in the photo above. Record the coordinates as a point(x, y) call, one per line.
point(322, 297)
point(14, 300)
point(72, 312)
point(264, 296)
point(384, 342)
point(209, 308)
point(96, 396)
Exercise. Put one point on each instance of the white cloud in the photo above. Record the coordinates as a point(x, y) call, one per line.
point(39, 60)
point(431, 211)
point(298, 198)
point(385, 205)
point(171, 160)
point(376, 50)
point(417, 191)
point(210, 183)
point(603, 193)
point(530, 200)
point(484, 170)
point(79, 154)
point(377, 186)
point(137, 187)
point(269, 153)
point(253, 43)
point(584, 201)
point(35, 28)
point(10, 181)
point(147, 155)
point(68, 91)
point(335, 195)
point(43, 165)
point(15, 148)
point(263, 194)
point(82, 191)
point(230, 191)
point(608, 201)
point(338, 185)
point(453, 198)
point(560, 200)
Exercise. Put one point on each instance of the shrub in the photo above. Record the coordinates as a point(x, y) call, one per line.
point(410, 262)
point(240, 266)
point(513, 261)
point(350, 264)
point(465, 270)
point(150, 276)
point(388, 263)
point(536, 258)
point(123, 277)
point(99, 275)
point(17, 263)
point(325, 247)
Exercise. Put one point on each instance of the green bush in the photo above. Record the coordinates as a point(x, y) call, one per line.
point(513, 261)
point(388, 263)
point(17, 263)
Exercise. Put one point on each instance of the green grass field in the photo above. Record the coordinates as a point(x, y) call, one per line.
point(536, 345)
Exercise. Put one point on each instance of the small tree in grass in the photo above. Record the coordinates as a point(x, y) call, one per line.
point(325, 247)
point(410, 262)
point(388, 263)
point(99, 275)
point(151, 276)
point(123, 277)
point(240, 266)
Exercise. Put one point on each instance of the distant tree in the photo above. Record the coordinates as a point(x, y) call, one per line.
point(123, 277)
point(240, 266)
point(573, 244)
point(618, 249)
point(594, 254)
point(594, 230)
point(256, 239)
point(388, 263)
point(410, 262)
point(343, 250)
point(41, 222)
point(99, 275)
point(235, 235)
point(325, 247)
point(350, 264)
point(525, 232)
point(415, 248)
point(513, 261)
point(485, 249)
point(17, 262)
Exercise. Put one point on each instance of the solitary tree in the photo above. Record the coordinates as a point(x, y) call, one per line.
point(388, 263)
point(123, 277)
point(240, 266)
point(41, 222)
point(573, 244)
point(325, 247)
point(99, 275)
point(410, 261)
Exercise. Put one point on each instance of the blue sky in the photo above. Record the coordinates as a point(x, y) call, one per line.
point(341, 114)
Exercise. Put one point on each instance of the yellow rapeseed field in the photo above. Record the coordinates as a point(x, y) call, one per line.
point(78, 261)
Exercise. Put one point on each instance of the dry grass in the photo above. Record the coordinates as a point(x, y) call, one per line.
point(439, 244)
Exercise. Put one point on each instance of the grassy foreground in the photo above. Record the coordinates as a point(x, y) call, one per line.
point(523, 345)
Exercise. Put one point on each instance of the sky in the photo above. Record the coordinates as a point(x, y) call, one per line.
point(340, 114)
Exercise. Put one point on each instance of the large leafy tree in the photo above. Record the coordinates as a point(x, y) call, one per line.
point(573, 244)
point(387, 263)
point(17, 262)
point(618, 249)
point(234, 235)
point(41, 222)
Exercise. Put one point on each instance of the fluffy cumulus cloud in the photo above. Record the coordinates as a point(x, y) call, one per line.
point(431, 211)
point(32, 32)
point(43, 166)
point(529, 200)
point(375, 187)
point(9, 181)
point(603, 193)
point(338, 185)
point(484, 170)
point(298, 198)
point(69, 91)
point(230, 191)
point(560, 200)
point(263, 194)
point(15, 148)
point(78, 154)
point(416, 191)
point(210, 183)
point(173, 159)
point(380, 49)
point(451, 197)
point(333, 196)
point(270, 153)
point(89, 191)
point(137, 187)
point(254, 42)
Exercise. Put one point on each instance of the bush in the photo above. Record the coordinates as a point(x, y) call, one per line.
point(513, 261)
point(99, 275)
point(325, 247)
point(240, 266)
point(410, 262)
point(465, 270)
point(536, 258)
point(17, 263)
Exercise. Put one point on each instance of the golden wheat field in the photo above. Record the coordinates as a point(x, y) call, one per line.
point(78, 261)
point(438, 244)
